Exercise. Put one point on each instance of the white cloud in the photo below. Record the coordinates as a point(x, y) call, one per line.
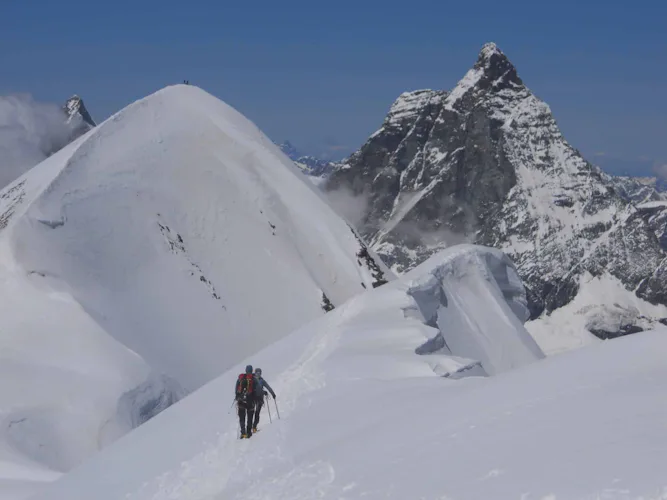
point(350, 206)
point(29, 132)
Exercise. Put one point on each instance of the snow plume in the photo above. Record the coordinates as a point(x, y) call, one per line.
point(442, 237)
point(404, 243)
point(435, 234)
point(30, 131)
point(352, 207)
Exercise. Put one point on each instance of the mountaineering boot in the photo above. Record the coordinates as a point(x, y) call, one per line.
point(243, 436)
point(254, 429)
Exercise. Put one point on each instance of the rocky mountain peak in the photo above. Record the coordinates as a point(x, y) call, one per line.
point(491, 56)
point(492, 73)
point(489, 50)
point(75, 109)
point(498, 72)
point(486, 163)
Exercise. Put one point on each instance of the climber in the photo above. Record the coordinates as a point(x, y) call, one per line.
point(260, 394)
point(245, 401)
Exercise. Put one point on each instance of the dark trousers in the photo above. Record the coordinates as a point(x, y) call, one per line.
point(258, 409)
point(246, 411)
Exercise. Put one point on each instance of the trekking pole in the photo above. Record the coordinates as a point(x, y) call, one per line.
point(268, 408)
point(277, 410)
point(230, 408)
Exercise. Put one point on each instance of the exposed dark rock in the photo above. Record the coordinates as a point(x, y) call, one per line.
point(378, 274)
point(326, 303)
point(606, 335)
point(177, 246)
point(11, 199)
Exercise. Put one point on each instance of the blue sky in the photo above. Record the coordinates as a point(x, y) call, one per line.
point(323, 74)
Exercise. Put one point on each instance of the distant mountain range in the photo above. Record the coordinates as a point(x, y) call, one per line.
point(311, 165)
point(639, 189)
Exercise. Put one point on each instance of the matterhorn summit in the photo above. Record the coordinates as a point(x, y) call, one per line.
point(486, 163)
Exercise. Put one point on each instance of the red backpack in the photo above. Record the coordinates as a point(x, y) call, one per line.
point(245, 386)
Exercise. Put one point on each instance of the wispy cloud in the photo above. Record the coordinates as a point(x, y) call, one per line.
point(352, 207)
point(29, 132)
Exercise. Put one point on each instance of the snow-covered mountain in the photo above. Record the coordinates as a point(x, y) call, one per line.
point(362, 416)
point(146, 258)
point(310, 165)
point(78, 116)
point(486, 163)
point(638, 189)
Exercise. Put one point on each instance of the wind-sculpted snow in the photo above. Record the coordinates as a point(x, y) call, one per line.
point(153, 396)
point(453, 296)
point(364, 417)
point(146, 258)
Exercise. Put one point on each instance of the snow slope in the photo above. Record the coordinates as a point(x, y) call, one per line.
point(143, 260)
point(362, 415)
